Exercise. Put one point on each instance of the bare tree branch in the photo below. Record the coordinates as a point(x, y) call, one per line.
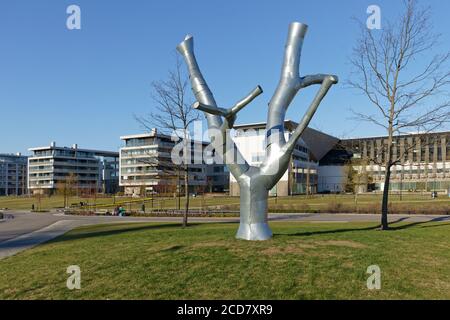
point(173, 115)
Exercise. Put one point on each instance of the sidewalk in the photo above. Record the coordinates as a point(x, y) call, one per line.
point(29, 240)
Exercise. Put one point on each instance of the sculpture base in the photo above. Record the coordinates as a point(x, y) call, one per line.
point(254, 231)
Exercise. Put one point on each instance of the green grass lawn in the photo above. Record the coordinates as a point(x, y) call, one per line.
point(204, 261)
point(47, 203)
point(416, 203)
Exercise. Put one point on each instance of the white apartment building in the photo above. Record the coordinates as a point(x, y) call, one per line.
point(302, 174)
point(146, 167)
point(90, 170)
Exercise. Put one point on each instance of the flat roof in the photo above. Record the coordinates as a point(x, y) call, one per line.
point(152, 134)
point(137, 136)
point(287, 123)
point(399, 135)
point(103, 152)
point(12, 155)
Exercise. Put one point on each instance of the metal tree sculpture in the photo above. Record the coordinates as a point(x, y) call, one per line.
point(255, 182)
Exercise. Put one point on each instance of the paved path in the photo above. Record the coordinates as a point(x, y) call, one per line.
point(22, 230)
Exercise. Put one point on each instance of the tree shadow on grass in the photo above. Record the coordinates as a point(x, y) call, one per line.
point(436, 225)
point(418, 223)
point(377, 227)
point(172, 249)
point(81, 234)
point(334, 231)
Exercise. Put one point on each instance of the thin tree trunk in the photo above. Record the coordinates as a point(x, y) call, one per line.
point(65, 196)
point(186, 191)
point(178, 189)
point(384, 206)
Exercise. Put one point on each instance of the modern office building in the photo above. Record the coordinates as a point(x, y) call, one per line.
point(146, 166)
point(325, 164)
point(424, 161)
point(13, 174)
point(88, 171)
point(302, 174)
point(334, 168)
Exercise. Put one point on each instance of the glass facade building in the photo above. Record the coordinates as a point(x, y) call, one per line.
point(423, 161)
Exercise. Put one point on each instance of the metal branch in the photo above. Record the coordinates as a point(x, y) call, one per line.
point(287, 88)
point(327, 82)
point(218, 133)
point(216, 111)
point(230, 113)
point(245, 101)
point(314, 79)
point(278, 152)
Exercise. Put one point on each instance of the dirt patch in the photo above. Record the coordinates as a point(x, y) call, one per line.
point(283, 250)
point(210, 244)
point(302, 245)
point(348, 264)
point(342, 243)
point(293, 249)
point(271, 251)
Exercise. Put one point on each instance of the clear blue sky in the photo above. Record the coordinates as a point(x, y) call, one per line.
point(83, 86)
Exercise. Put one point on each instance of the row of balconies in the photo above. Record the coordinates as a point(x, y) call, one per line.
point(62, 178)
point(139, 156)
point(56, 180)
point(143, 173)
point(136, 177)
point(67, 164)
point(126, 183)
point(14, 178)
point(165, 155)
point(12, 185)
point(380, 177)
point(159, 153)
point(61, 156)
point(5, 170)
point(57, 170)
point(51, 186)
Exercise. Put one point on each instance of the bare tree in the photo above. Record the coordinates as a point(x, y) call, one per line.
point(67, 188)
point(357, 177)
point(397, 70)
point(173, 115)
